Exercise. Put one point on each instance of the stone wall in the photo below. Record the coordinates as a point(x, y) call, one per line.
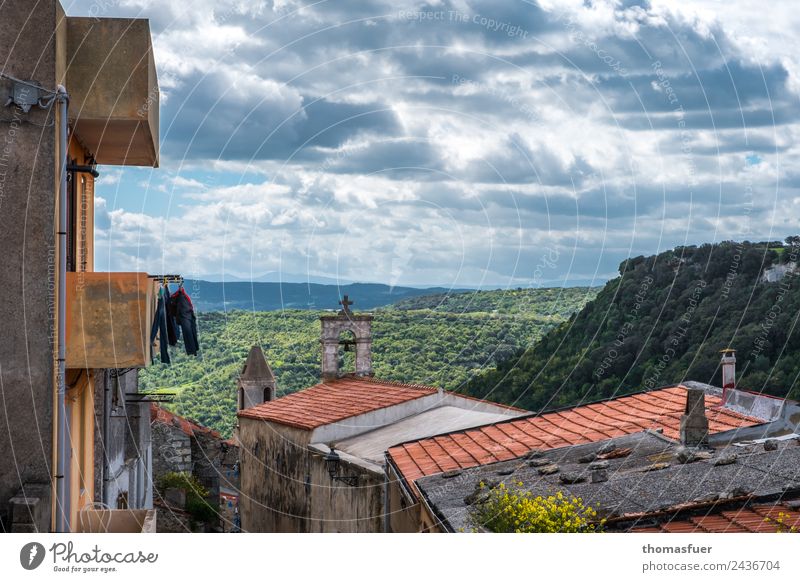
point(172, 450)
point(182, 446)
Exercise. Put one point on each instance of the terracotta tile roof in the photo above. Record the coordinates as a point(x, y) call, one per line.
point(752, 519)
point(334, 401)
point(657, 409)
point(189, 427)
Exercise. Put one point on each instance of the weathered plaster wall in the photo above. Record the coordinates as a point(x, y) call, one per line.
point(28, 178)
point(404, 513)
point(274, 497)
point(341, 507)
point(285, 487)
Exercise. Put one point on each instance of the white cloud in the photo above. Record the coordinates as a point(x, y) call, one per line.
point(567, 138)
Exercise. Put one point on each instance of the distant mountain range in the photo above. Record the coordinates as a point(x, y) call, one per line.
point(269, 296)
point(275, 277)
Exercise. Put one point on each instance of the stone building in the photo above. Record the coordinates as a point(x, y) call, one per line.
point(184, 446)
point(77, 93)
point(313, 461)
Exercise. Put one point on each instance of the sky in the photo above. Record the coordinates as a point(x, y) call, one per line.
point(462, 144)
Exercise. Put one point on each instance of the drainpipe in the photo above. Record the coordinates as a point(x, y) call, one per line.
point(107, 377)
point(386, 517)
point(62, 444)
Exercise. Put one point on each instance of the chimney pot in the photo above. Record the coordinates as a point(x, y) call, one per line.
point(728, 369)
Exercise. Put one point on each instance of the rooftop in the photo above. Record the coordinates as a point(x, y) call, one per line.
point(755, 518)
point(372, 445)
point(335, 400)
point(657, 410)
point(650, 480)
point(189, 427)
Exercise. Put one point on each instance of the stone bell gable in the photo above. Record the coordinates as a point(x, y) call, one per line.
point(335, 329)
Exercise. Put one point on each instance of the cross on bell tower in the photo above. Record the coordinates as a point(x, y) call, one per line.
point(333, 326)
point(345, 303)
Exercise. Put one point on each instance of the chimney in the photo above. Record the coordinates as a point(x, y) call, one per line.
point(694, 424)
point(728, 371)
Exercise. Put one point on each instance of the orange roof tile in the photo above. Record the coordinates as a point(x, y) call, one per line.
point(582, 424)
point(752, 519)
point(189, 427)
point(335, 400)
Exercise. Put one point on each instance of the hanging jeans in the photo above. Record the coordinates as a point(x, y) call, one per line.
point(159, 328)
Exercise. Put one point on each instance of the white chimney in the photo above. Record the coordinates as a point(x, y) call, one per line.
point(728, 371)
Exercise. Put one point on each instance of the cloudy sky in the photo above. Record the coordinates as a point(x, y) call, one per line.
point(460, 143)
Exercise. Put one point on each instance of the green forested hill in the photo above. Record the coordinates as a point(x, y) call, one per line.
point(553, 301)
point(438, 340)
point(664, 320)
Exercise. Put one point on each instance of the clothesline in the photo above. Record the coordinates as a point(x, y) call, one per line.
point(168, 278)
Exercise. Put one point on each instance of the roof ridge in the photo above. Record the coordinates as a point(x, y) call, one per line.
point(381, 381)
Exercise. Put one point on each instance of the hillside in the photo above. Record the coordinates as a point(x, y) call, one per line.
point(663, 320)
point(258, 296)
point(444, 345)
point(553, 301)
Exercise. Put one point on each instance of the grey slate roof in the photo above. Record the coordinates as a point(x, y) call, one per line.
point(647, 481)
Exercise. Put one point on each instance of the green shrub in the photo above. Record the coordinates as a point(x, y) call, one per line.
point(197, 506)
point(516, 510)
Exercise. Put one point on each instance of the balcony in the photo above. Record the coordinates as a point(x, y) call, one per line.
point(113, 87)
point(109, 316)
point(117, 521)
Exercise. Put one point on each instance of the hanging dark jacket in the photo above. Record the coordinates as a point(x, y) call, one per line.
point(181, 304)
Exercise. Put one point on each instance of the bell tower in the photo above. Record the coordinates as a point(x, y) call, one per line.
point(256, 382)
point(334, 330)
